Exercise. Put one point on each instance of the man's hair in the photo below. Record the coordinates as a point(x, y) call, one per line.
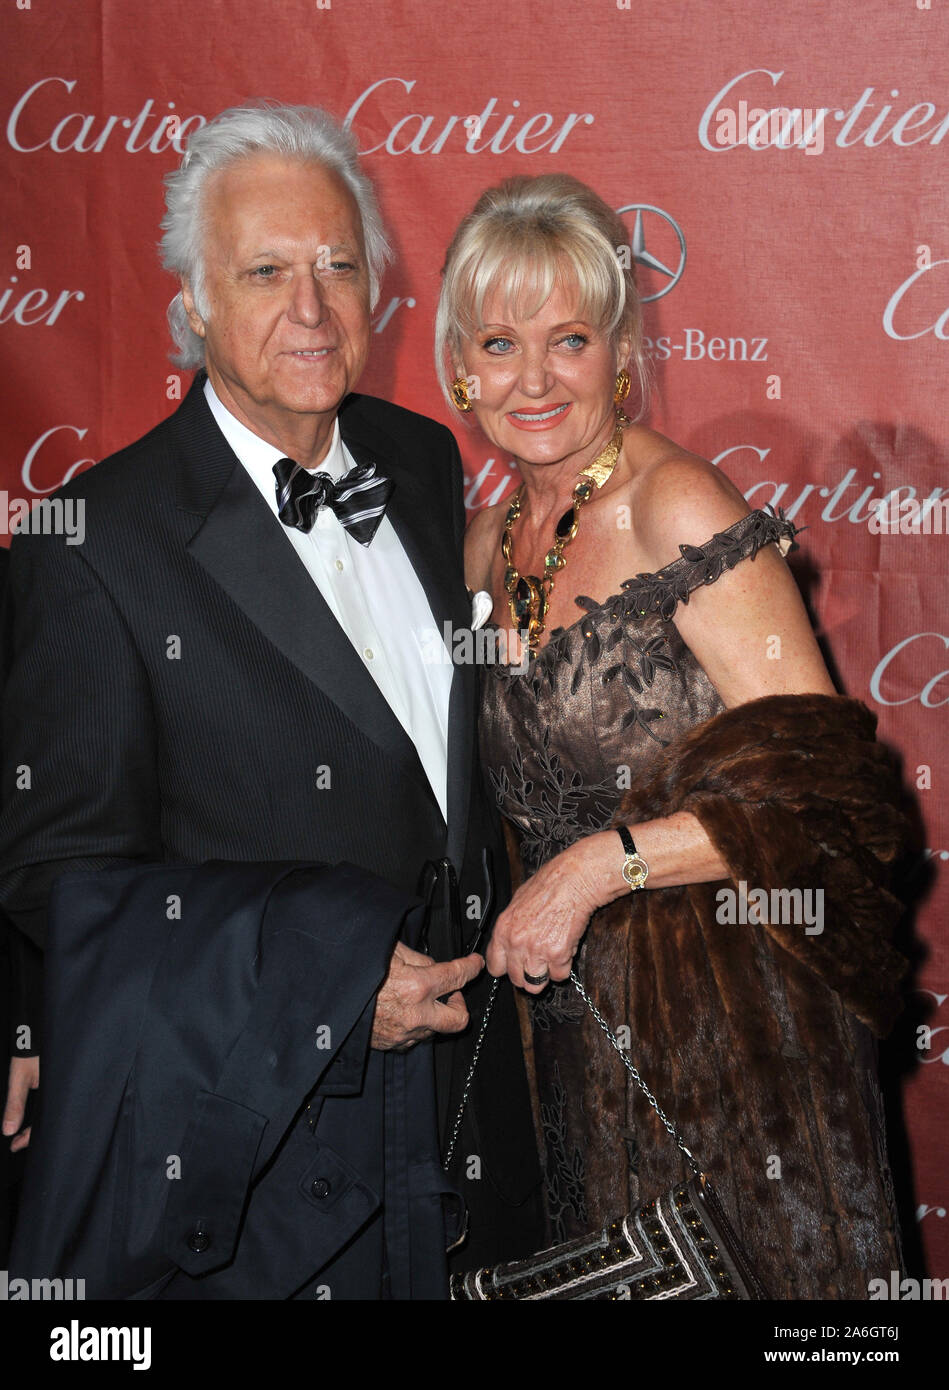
point(296, 132)
point(517, 242)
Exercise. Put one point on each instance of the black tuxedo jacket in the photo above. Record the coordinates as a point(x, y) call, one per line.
point(178, 690)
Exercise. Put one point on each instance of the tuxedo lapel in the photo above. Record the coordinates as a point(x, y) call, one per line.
point(239, 542)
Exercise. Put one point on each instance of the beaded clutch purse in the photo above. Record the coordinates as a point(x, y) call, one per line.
point(678, 1246)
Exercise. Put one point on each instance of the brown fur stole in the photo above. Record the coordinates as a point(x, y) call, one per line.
point(748, 1034)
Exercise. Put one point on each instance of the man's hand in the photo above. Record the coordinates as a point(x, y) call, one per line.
point(24, 1078)
point(407, 1005)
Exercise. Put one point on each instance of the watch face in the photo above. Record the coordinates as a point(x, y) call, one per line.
point(635, 870)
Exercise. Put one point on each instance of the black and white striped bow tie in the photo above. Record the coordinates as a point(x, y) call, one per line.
point(359, 499)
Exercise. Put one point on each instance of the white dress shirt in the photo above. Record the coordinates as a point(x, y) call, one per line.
point(373, 593)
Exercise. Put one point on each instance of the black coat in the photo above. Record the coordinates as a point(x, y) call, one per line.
point(173, 1156)
point(177, 686)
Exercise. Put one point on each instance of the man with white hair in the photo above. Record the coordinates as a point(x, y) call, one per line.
point(232, 667)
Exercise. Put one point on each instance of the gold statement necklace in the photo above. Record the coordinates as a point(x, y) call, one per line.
point(528, 595)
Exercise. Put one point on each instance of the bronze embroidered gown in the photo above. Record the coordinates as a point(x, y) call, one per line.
point(560, 743)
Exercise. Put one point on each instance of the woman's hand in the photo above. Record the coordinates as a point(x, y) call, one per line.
point(539, 931)
point(543, 925)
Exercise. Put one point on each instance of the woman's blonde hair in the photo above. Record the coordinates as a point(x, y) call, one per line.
point(518, 239)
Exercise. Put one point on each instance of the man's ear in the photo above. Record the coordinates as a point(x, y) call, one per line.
point(194, 318)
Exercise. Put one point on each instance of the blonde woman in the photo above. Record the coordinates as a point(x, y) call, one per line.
point(664, 774)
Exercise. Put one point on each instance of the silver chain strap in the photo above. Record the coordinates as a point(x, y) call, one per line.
point(616, 1048)
point(471, 1071)
point(635, 1074)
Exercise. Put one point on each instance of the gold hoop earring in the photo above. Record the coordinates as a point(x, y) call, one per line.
point(623, 383)
point(459, 393)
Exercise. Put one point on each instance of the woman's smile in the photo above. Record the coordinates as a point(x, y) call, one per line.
point(540, 419)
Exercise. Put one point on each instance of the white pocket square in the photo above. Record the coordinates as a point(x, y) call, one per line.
point(481, 605)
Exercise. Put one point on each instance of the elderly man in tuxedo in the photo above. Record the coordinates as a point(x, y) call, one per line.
point(236, 664)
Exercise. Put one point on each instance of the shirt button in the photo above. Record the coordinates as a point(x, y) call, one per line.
point(339, 564)
point(320, 1188)
point(367, 653)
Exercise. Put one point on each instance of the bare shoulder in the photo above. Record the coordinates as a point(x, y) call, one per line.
point(748, 630)
point(680, 499)
point(482, 539)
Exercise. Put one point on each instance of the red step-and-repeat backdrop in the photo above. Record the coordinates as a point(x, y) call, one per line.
point(781, 169)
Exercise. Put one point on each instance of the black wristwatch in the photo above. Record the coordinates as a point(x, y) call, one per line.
point(635, 868)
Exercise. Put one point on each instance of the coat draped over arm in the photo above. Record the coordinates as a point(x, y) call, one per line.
point(213, 1122)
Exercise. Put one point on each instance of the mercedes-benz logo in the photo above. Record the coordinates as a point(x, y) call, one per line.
point(641, 256)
